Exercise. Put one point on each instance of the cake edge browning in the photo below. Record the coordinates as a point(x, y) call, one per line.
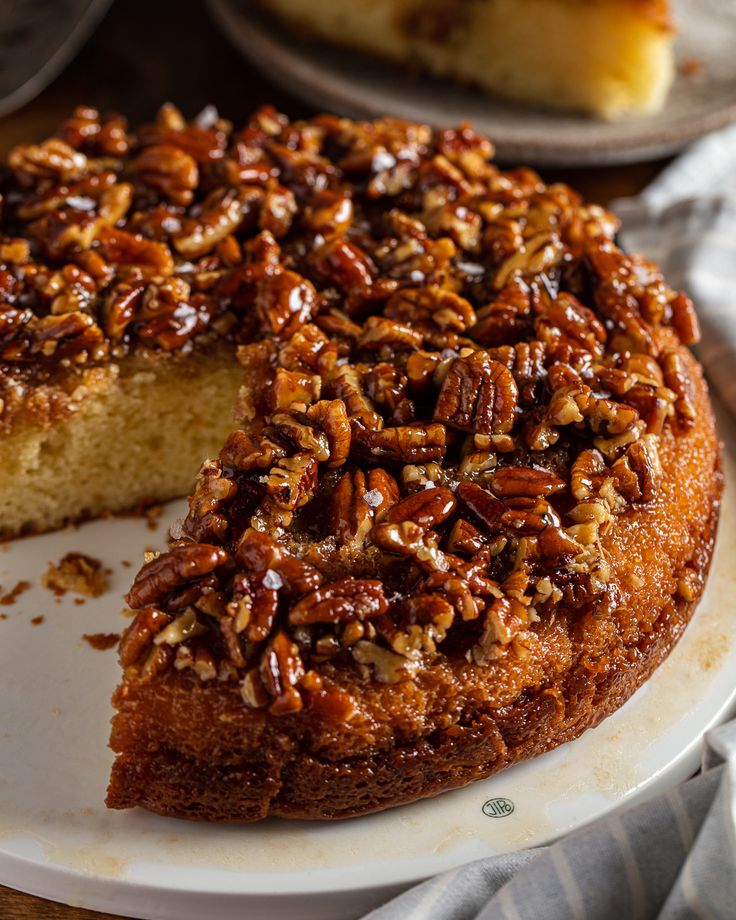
point(248, 793)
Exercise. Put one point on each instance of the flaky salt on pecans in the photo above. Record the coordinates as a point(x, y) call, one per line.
point(458, 383)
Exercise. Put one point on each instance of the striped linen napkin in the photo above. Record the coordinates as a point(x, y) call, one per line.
point(673, 857)
point(686, 222)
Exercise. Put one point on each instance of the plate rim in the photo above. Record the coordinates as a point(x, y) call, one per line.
point(258, 41)
point(72, 884)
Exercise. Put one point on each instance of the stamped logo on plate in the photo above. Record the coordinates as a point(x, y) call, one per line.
point(498, 808)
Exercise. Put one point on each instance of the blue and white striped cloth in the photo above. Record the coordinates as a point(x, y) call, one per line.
point(674, 857)
point(686, 222)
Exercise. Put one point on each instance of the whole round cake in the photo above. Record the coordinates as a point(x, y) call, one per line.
point(471, 500)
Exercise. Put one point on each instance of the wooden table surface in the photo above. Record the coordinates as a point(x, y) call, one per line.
point(146, 52)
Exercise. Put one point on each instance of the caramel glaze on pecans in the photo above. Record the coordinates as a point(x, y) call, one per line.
point(455, 381)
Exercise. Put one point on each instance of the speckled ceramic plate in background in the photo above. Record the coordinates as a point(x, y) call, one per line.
point(59, 841)
point(362, 86)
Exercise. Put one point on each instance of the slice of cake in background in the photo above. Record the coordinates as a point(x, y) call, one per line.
point(604, 57)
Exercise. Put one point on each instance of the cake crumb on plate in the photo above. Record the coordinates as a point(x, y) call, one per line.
point(75, 572)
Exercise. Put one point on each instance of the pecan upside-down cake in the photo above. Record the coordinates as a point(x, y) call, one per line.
point(472, 498)
point(603, 57)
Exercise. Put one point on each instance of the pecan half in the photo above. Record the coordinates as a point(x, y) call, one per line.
point(295, 427)
point(138, 637)
point(259, 553)
point(290, 387)
point(403, 444)
point(358, 501)
point(678, 379)
point(169, 170)
point(638, 472)
point(483, 506)
point(478, 395)
point(428, 508)
point(245, 452)
point(331, 417)
point(379, 332)
point(281, 670)
point(53, 159)
point(71, 334)
point(504, 620)
point(464, 538)
point(284, 302)
point(341, 601)
point(344, 382)
point(172, 569)
point(221, 214)
point(410, 540)
point(443, 309)
point(205, 522)
point(512, 481)
point(148, 257)
point(292, 481)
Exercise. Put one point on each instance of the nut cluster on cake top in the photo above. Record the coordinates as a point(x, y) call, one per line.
point(454, 382)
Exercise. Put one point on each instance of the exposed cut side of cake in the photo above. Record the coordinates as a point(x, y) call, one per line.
point(603, 57)
point(469, 508)
point(114, 437)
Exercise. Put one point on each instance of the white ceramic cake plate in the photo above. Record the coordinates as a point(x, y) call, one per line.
point(361, 86)
point(58, 841)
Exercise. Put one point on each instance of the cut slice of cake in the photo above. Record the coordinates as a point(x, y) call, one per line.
point(603, 57)
point(470, 507)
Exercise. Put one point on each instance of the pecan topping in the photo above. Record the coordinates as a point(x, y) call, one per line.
point(169, 170)
point(281, 669)
point(511, 481)
point(478, 395)
point(172, 569)
point(358, 501)
point(293, 480)
point(404, 444)
point(455, 381)
point(259, 553)
point(427, 509)
point(349, 599)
